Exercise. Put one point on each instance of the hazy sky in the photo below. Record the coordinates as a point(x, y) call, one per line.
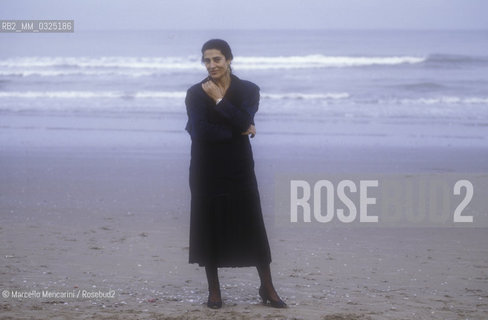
point(255, 14)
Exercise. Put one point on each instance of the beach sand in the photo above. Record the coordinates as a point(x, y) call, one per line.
point(100, 206)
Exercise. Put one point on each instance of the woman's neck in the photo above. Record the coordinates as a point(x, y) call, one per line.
point(224, 82)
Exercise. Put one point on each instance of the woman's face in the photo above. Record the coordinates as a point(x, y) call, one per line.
point(216, 64)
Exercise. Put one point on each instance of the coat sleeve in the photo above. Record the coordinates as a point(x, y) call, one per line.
point(198, 126)
point(241, 117)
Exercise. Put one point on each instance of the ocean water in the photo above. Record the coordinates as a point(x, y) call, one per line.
point(439, 76)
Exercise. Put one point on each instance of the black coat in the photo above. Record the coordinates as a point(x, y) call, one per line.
point(226, 224)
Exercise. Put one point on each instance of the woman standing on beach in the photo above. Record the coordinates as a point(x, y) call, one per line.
point(226, 224)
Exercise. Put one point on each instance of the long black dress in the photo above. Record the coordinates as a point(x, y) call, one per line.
point(226, 223)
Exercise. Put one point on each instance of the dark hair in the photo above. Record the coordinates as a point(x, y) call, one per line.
point(218, 44)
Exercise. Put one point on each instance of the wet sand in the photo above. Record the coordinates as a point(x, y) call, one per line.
point(101, 206)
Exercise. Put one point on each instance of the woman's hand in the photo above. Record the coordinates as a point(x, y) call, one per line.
point(251, 130)
point(212, 90)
